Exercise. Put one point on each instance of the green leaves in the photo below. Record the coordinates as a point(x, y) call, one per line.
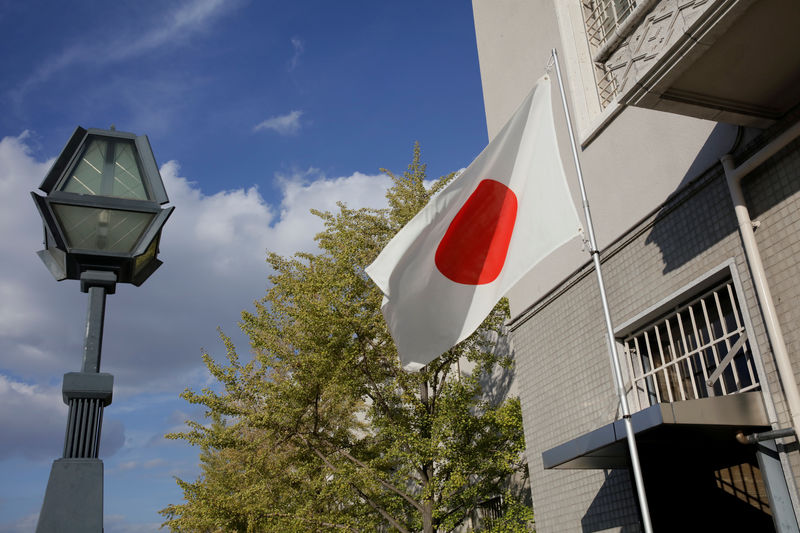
point(321, 429)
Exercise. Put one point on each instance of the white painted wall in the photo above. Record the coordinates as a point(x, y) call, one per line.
point(630, 166)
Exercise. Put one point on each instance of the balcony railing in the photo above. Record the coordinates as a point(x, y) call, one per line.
point(602, 19)
point(698, 350)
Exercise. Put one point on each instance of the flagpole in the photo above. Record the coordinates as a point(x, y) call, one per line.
point(612, 346)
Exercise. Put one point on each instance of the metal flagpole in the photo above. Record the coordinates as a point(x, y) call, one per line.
point(626, 412)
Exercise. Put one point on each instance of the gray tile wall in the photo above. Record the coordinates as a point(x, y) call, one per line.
point(563, 369)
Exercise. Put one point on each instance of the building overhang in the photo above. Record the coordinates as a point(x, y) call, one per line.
point(681, 425)
point(735, 61)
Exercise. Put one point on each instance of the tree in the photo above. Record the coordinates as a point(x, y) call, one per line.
point(322, 430)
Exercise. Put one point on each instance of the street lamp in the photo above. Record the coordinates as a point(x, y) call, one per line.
point(102, 220)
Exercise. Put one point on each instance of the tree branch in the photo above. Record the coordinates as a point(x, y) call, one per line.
point(361, 493)
point(310, 520)
point(383, 513)
point(384, 484)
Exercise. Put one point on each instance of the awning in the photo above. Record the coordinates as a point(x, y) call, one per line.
point(686, 424)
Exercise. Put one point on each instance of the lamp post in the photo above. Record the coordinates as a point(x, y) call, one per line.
point(102, 220)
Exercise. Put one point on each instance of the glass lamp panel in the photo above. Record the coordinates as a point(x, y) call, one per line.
point(127, 177)
point(146, 258)
point(104, 230)
point(87, 177)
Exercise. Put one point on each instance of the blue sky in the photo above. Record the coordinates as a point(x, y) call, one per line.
point(257, 112)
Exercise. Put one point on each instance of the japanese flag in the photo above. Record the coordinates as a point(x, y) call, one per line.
point(445, 270)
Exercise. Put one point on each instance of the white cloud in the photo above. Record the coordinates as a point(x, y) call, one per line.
point(121, 524)
point(299, 47)
point(213, 248)
point(170, 28)
point(288, 124)
point(25, 524)
point(140, 465)
point(33, 418)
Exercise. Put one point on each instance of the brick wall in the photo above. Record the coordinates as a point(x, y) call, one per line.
point(564, 373)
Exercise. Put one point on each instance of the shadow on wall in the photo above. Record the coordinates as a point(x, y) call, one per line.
point(614, 506)
point(700, 211)
point(498, 385)
point(785, 184)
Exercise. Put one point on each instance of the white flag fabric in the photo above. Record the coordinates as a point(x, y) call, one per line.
point(446, 269)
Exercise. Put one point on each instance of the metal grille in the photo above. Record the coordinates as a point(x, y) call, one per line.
point(487, 512)
point(84, 421)
point(699, 350)
point(601, 18)
point(606, 85)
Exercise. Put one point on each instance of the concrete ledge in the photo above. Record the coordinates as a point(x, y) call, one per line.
point(88, 385)
point(73, 502)
point(691, 422)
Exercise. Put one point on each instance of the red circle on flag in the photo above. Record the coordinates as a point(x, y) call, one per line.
point(474, 248)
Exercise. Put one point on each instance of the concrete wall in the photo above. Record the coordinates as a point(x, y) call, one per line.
point(663, 218)
point(625, 176)
point(563, 367)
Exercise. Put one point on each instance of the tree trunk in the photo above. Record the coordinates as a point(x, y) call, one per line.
point(427, 469)
point(427, 517)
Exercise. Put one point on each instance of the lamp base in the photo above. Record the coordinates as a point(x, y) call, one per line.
point(73, 501)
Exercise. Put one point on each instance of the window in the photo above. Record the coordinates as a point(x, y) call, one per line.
point(698, 350)
point(601, 19)
point(487, 512)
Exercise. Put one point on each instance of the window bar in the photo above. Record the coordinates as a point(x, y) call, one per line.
point(726, 339)
point(677, 358)
point(694, 358)
point(746, 347)
point(746, 353)
point(644, 390)
point(709, 344)
point(688, 352)
point(748, 357)
point(712, 344)
point(654, 392)
point(632, 374)
point(669, 357)
point(699, 348)
point(693, 343)
point(647, 381)
point(632, 354)
point(698, 366)
point(652, 367)
point(664, 370)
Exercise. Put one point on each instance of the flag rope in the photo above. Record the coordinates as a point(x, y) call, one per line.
point(612, 347)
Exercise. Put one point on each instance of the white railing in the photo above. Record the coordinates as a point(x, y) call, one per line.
point(698, 350)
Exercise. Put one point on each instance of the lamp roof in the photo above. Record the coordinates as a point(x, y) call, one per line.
point(107, 163)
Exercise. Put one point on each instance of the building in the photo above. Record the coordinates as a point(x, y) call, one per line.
point(686, 112)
